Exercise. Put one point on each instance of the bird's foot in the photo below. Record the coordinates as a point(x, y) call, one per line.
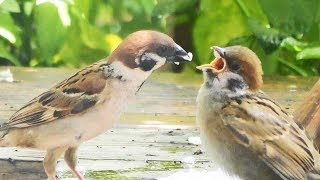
point(79, 171)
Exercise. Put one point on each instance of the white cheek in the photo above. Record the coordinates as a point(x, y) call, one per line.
point(160, 63)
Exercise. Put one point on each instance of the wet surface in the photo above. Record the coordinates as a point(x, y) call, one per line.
point(155, 135)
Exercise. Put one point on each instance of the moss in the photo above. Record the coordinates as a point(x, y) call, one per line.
point(158, 166)
point(101, 175)
point(173, 149)
point(170, 165)
point(120, 175)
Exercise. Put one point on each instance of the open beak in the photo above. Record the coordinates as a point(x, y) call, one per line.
point(204, 67)
point(180, 55)
point(218, 51)
point(219, 64)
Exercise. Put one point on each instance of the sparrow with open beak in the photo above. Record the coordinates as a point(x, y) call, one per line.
point(246, 133)
point(89, 102)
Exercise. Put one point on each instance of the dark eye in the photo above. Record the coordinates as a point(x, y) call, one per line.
point(235, 66)
point(162, 50)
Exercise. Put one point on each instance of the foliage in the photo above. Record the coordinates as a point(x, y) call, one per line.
point(284, 33)
point(75, 32)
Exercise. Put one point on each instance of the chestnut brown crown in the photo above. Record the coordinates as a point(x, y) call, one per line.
point(244, 60)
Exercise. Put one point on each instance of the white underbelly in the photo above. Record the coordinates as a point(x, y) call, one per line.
point(77, 129)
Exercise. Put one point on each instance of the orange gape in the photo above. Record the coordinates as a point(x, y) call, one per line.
point(308, 114)
point(219, 64)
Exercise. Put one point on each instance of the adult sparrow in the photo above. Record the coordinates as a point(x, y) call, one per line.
point(248, 134)
point(89, 102)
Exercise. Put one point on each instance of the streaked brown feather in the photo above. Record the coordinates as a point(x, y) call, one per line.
point(308, 113)
point(72, 96)
point(273, 134)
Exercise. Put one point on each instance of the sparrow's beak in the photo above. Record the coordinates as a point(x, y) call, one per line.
point(219, 64)
point(218, 51)
point(203, 67)
point(180, 55)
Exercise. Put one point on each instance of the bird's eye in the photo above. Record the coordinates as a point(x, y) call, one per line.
point(235, 66)
point(162, 50)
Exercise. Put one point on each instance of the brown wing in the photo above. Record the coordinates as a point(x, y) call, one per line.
point(263, 127)
point(72, 96)
point(308, 113)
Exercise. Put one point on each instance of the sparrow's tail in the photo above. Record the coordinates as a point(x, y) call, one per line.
point(308, 114)
point(3, 132)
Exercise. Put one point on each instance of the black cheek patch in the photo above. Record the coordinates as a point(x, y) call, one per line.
point(83, 105)
point(234, 84)
point(147, 65)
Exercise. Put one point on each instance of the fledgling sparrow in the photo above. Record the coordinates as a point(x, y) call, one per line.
point(89, 102)
point(308, 113)
point(246, 133)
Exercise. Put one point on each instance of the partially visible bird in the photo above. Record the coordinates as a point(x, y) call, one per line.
point(308, 113)
point(89, 102)
point(246, 133)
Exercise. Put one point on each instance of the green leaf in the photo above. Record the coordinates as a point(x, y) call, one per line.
point(294, 45)
point(252, 9)
point(294, 67)
point(269, 38)
point(309, 53)
point(242, 40)
point(134, 16)
point(165, 8)
point(87, 9)
point(148, 6)
point(8, 29)
point(294, 17)
point(70, 52)
point(218, 22)
point(10, 6)
point(50, 32)
point(92, 36)
point(28, 7)
point(84, 43)
point(6, 55)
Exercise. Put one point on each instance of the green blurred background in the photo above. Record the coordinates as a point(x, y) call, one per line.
point(72, 33)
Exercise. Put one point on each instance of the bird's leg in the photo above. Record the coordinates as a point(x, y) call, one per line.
point(71, 158)
point(50, 161)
